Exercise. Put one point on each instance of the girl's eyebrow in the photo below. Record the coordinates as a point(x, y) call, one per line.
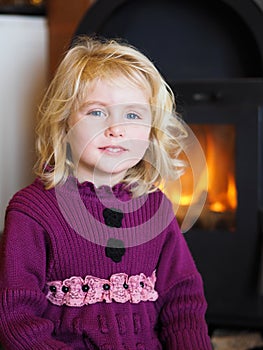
point(89, 103)
point(141, 106)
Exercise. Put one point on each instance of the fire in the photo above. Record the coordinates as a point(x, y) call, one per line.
point(185, 200)
point(220, 155)
point(218, 144)
point(218, 207)
point(228, 199)
point(232, 192)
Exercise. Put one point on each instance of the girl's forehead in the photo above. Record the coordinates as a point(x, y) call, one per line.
point(117, 80)
point(117, 89)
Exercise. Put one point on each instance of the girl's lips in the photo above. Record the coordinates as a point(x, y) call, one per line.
point(113, 149)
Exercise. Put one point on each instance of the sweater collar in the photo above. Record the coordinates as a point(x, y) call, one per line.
point(88, 189)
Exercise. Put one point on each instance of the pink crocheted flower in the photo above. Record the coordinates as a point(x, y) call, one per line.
point(55, 293)
point(148, 291)
point(99, 290)
point(135, 288)
point(75, 295)
point(119, 287)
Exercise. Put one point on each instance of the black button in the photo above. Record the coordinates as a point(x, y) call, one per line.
point(115, 249)
point(142, 284)
point(106, 286)
point(53, 289)
point(85, 288)
point(65, 289)
point(113, 217)
point(125, 285)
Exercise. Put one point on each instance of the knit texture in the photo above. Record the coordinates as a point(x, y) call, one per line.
point(77, 230)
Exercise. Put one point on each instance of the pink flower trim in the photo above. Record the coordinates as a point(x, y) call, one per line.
point(76, 291)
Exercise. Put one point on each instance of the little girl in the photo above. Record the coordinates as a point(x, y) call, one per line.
point(91, 255)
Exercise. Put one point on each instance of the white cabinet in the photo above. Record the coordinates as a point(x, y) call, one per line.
point(23, 77)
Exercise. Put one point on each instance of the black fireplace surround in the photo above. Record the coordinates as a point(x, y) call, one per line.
point(211, 53)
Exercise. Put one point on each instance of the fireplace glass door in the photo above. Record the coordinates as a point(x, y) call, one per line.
point(218, 142)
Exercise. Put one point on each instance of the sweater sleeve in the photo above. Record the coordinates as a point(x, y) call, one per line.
point(181, 300)
point(22, 279)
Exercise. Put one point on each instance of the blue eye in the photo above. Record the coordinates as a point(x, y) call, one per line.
point(97, 113)
point(132, 116)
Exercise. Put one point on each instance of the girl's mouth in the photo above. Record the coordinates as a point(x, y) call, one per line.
point(113, 149)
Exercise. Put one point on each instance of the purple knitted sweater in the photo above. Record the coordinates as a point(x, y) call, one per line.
point(85, 268)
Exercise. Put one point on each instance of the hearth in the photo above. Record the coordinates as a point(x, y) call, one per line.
point(211, 53)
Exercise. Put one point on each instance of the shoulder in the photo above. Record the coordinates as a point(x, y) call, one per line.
point(161, 220)
point(159, 195)
point(30, 197)
point(161, 203)
point(32, 190)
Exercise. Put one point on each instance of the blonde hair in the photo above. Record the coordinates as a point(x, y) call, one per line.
point(91, 59)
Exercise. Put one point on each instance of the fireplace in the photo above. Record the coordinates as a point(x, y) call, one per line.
point(211, 53)
point(226, 238)
point(216, 182)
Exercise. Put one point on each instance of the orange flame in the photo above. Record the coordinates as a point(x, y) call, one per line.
point(218, 143)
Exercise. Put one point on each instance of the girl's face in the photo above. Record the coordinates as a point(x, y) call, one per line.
point(109, 133)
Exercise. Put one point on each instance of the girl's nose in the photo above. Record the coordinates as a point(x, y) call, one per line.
point(116, 130)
